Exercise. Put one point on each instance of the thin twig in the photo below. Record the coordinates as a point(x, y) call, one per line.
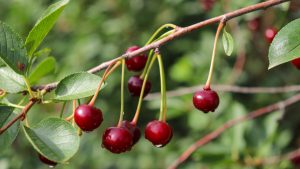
point(178, 33)
point(20, 116)
point(227, 88)
point(216, 133)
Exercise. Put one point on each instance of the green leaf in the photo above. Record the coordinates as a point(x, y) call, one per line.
point(44, 25)
point(12, 50)
point(42, 53)
point(6, 115)
point(10, 81)
point(45, 67)
point(54, 138)
point(77, 85)
point(227, 42)
point(286, 44)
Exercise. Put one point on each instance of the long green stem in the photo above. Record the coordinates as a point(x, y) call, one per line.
point(28, 87)
point(163, 100)
point(220, 27)
point(62, 109)
point(136, 116)
point(14, 105)
point(122, 93)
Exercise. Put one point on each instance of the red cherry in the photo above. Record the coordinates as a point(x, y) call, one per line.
point(134, 130)
point(136, 63)
point(47, 161)
point(88, 117)
point(117, 140)
point(270, 34)
point(296, 63)
point(135, 84)
point(158, 133)
point(208, 4)
point(206, 100)
point(254, 24)
point(296, 160)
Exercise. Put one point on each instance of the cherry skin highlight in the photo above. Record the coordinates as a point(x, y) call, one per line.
point(296, 62)
point(135, 84)
point(158, 133)
point(270, 34)
point(136, 63)
point(88, 117)
point(206, 100)
point(117, 140)
point(134, 130)
point(47, 161)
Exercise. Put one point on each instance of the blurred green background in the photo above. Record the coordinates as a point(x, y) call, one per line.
point(92, 31)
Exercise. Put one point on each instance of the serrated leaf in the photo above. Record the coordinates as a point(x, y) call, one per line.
point(10, 81)
point(43, 68)
point(227, 42)
point(286, 44)
point(7, 138)
point(44, 25)
point(77, 85)
point(12, 50)
point(54, 138)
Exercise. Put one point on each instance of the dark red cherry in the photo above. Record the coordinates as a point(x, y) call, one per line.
point(136, 63)
point(158, 133)
point(117, 139)
point(208, 4)
point(47, 161)
point(206, 100)
point(88, 117)
point(270, 34)
point(135, 84)
point(134, 130)
point(296, 63)
point(296, 160)
point(254, 24)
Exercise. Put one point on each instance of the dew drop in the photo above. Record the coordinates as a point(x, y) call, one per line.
point(158, 145)
point(51, 166)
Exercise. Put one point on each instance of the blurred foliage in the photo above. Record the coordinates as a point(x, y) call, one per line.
point(90, 32)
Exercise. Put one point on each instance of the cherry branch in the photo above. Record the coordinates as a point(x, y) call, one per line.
point(21, 116)
point(180, 31)
point(216, 133)
point(227, 88)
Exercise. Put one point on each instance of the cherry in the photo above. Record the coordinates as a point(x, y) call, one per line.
point(88, 117)
point(270, 34)
point(117, 139)
point(296, 160)
point(208, 4)
point(254, 24)
point(158, 132)
point(47, 161)
point(296, 63)
point(136, 63)
point(134, 130)
point(135, 84)
point(206, 100)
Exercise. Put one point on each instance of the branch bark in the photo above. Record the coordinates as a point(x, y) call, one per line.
point(216, 133)
point(178, 33)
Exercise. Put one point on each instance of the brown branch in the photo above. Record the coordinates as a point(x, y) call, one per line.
point(227, 88)
point(20, 116)
point(180, 31)
point(216, 133)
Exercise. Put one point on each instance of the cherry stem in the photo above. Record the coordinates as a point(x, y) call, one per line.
point(163, 100)
point(107, 72)
point(209, 78)
point(27, 83)
point(122, 94)
point(62, 109)
point(152, 38)
point(136, 116)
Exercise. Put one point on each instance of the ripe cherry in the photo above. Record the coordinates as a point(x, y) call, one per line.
point(254, 24)
point(158, 132)
point(117, 139)
point(47, 161)
point(88, 117)
point(270, 34)
point(296, 63)
point(206, 100)
point(136, 63)
point(208, 4)
point(134, 130)
point(135, 84)
point(296, 160)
